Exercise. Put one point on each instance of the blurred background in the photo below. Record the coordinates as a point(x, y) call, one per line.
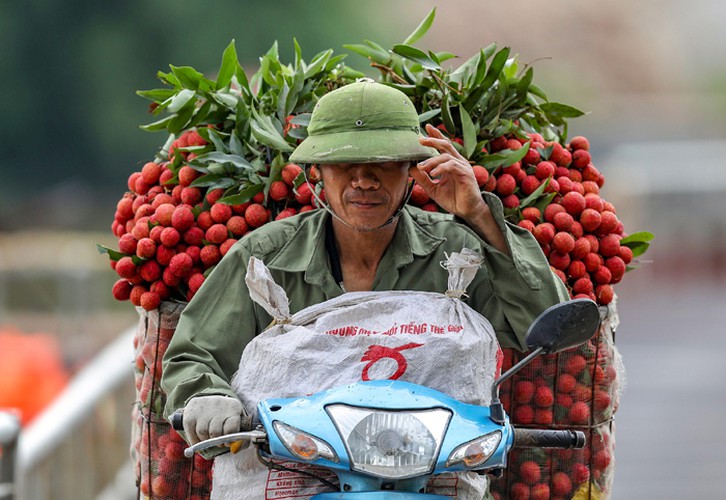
point(652, 76)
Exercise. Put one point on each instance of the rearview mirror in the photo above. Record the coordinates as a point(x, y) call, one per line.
point(564, 325)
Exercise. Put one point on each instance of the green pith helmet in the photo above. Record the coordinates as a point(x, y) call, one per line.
point(364, 122)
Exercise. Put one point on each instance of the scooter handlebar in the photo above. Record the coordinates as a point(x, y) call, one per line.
point(177, 420)
point(547, 438)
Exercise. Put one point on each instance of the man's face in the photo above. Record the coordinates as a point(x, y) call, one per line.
point(365, 195)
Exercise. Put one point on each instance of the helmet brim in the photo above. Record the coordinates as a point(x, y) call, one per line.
point(364, 146)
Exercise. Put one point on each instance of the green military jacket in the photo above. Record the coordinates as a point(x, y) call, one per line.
point(221, 319)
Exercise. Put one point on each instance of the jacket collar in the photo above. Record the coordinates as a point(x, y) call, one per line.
point(305, 249)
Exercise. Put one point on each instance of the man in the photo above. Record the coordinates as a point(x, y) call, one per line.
point(366, 142)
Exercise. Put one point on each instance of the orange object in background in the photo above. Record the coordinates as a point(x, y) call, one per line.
point(32, 373)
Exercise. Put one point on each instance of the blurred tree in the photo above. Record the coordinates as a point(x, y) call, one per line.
point(70, 72)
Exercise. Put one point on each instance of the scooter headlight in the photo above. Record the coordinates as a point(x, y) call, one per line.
point(475, 452)
point(303, 445)
point(391, 444)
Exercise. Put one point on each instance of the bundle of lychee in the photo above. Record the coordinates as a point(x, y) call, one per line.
point(173, 229)
point(575, 389)
point(553, 191)
point(157, 451)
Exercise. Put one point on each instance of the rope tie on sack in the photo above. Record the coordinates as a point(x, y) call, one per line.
point(462, 267)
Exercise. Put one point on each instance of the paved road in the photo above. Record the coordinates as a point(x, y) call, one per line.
point(671, 429)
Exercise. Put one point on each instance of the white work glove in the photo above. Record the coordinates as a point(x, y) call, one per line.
point(207, 417)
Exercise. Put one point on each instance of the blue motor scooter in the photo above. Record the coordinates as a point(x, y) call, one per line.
point(387, 438)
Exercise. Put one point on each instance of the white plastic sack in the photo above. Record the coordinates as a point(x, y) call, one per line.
point(427, 338)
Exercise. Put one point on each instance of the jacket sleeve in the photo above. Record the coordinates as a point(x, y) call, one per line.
point(212, 332)
point(523, 285)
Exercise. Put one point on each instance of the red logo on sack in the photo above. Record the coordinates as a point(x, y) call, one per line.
point(378, 352)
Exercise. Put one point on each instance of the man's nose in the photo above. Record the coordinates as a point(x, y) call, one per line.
point(363, 177)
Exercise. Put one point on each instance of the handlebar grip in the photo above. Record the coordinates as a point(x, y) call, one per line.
point(177, 420)
point(547, 438)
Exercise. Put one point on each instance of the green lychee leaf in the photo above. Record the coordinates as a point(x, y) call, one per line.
point(157, 95)
point(558, 110)
point(317, 65)
point(158, 125)
point(245, 194)
point(505, 157)
point(188, 77)
point(422, 28)
point(545, 153)
point(114, 255)
point(228, 67)
point(637, 238)
point(416, 55)
point(469, 132)
point(219, 157)
point(428, 115)
point(495, 68)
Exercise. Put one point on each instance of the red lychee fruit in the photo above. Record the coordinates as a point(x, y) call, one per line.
point(126, 268)
point(523, 414)
point(195, 282)
point(609, 245)
point(523, 391)
point(544, 169)
point(481, 175)
point(519, 491)
point(237, 226)
point(609, 222)
point(580, 473)
point(540, 491)
point(146, 248)
point(279, 191)
point(150, 172)
point(180, 265)
point(574, 203)
point(531, 214)
point(161, 199)
point(303, 195)
point(580, 158)
point(214, 195)
point(566, 383)
point(581, 248)
point(194, 252)
point(590, 219)
point(127, 244)
point(284, 214)
point(543, 396)
point(579, 413)
point(563, 242)
point(590, 187)
point(121, 290)
point(216, 234)
point(532, 157)
point(506, 184)
point(510, 201)
point(221, 213)
point(560, 155)
point(544, 232)
point(544, 416)
point(186, 175)
point(210, 255)
point(491, 184)
point(182, 218)
point(191, 196)
point(170, 237)
point(514, 169)
point(125, 207)
point(561, 484)
point(551, 210)
point(575, 365)
point(226, 246)
point(617, 267)
point(194, 236)
point(526, 224)
point(602, 400)
point(256, 215)
point(562, 221)
point(170, 278)
point(419, 196)
point(594, 201)
point(529, 185)
point(529, 472)
point(290, 172)
point(626, 254)
point(164, 255)
point(576, 269)
point(150, 271)
point(136, 293)
point(604, 294)
point(580, 142)
point(204, 220)
point(559, 260)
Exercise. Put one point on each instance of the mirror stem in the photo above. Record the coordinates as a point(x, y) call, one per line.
point(495, 407)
